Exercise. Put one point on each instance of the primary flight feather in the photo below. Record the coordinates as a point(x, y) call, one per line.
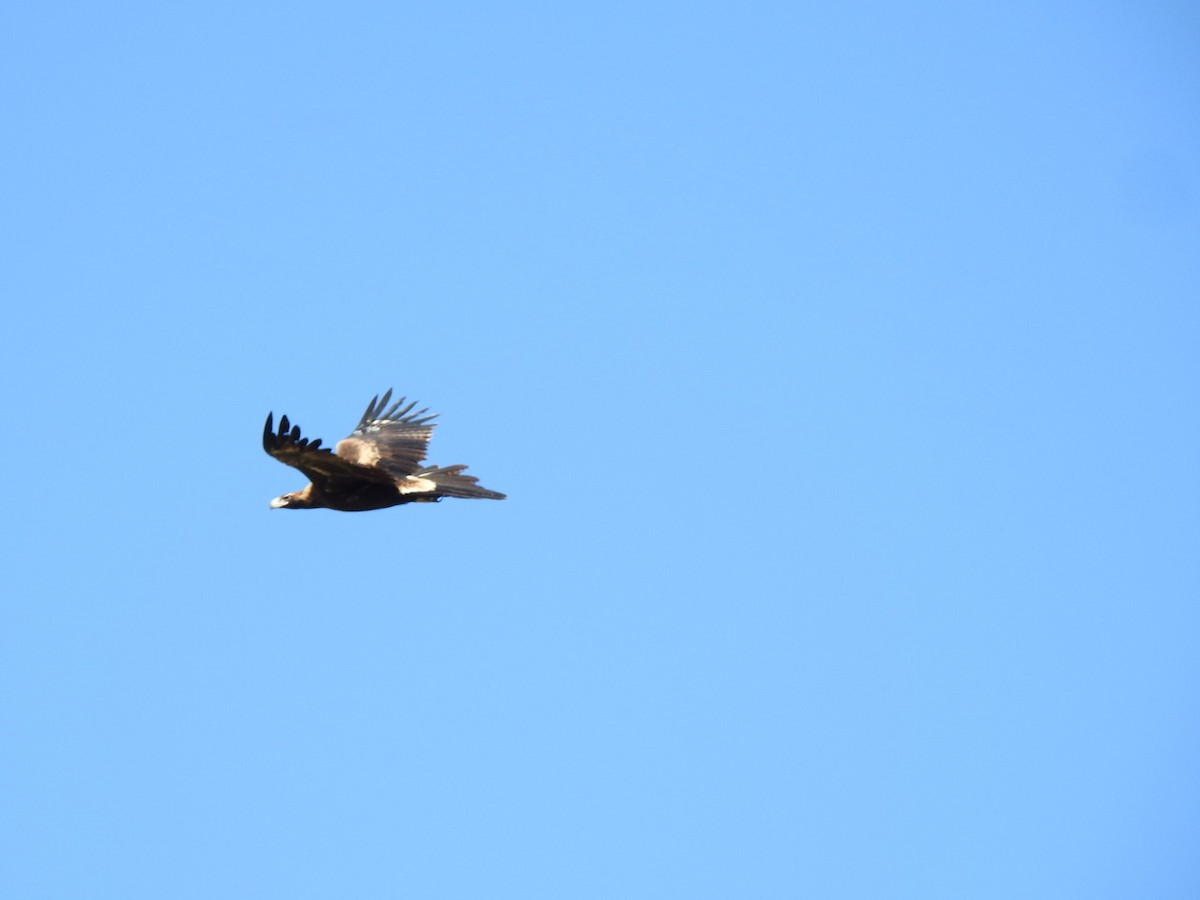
point(377, 466)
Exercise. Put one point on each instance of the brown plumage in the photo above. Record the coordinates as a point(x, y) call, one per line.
point(377, 466)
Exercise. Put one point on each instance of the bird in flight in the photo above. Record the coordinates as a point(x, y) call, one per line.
point(377, 466)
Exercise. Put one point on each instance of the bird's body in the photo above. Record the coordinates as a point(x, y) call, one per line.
point(377, 466)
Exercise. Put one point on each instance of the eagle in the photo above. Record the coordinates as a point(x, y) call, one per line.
point(377, 466)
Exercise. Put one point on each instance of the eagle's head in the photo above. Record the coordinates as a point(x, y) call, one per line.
point(293, 500)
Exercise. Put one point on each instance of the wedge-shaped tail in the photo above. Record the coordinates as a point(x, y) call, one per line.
point(452, 483)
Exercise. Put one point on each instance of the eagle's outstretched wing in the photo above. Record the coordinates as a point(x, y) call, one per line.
point(393, 440)
point(317, 462)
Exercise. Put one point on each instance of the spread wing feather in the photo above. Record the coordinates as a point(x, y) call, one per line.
point(390, 439)
point(317, 462)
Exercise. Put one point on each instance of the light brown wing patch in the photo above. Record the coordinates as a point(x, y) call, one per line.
point(414, 485)
point(355, 450)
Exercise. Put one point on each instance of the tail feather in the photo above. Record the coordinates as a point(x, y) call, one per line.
point(452, 483)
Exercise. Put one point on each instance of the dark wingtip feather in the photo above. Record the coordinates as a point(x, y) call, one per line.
point(379, 413)
point(369, 412)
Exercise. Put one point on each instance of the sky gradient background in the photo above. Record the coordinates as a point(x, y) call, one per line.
point(841, 366)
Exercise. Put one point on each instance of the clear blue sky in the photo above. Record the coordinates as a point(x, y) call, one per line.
point(842, 366)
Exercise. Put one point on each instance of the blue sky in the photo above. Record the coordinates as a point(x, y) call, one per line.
point(839, 362)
